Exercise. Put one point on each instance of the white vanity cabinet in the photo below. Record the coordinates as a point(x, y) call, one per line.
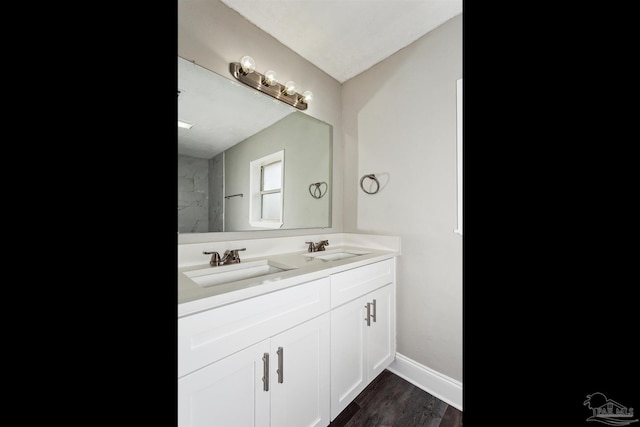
point(259, 362)
point(280, 382)
point(362, 329)
point(296, 356)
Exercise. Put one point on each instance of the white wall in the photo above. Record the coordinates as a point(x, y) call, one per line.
point(399, 121)
point(213, 35)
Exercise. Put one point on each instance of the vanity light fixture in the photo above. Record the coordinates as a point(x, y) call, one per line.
point(290, 88)
point(270, 78)
point(247, 64)
point(245, 71)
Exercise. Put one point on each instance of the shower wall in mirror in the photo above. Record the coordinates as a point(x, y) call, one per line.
point(232, 128)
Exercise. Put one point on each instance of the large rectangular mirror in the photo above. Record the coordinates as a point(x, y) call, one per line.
point(247, 161)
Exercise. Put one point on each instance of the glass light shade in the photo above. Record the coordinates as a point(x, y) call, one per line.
point(290, 88)
point(247, 64)
point(307, 96)
point(270, 78)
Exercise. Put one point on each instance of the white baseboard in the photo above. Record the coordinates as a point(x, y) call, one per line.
point(433, 382)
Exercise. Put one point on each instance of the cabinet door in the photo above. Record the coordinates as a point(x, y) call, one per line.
point(381, 341)
point(228, 393)
point(300, 367)
point(348, 372)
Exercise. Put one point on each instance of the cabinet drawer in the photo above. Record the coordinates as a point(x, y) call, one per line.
point(206, 337)
point(354, 283)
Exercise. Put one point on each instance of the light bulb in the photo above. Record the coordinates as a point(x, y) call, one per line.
point(307, 96)
point(270, 78)
point(247, 64)
point(289, 88)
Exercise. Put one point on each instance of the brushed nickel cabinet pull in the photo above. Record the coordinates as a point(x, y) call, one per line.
point(368, 318)
point(265, 367)
point(374, 311)
point(280, 364)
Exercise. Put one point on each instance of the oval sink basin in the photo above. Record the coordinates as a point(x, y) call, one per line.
point(230, 273)
point(332, 255)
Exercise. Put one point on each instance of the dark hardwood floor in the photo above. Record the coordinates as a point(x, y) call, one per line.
point(390, 401)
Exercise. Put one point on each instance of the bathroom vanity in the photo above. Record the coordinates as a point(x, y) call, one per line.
point(286, 337)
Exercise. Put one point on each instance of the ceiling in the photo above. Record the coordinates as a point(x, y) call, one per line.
point(346, 37)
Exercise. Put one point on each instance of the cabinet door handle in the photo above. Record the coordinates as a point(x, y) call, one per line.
point(374, 311)
point(280, 364)
point(368, 318)
point(265, 367)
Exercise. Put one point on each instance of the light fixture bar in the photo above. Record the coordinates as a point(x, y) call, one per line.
point(256, 81)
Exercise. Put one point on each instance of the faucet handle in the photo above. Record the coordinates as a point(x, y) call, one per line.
point(215, 258)
point(233, 253)
point(321, 244)
point(312, 246)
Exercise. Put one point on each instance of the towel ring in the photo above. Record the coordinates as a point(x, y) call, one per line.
point(373, 177)
point(316, 192)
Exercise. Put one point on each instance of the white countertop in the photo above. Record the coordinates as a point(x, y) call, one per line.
point(192, 298)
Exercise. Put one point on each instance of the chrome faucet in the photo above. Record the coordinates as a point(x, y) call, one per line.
point(315, 247)
point(230, 256)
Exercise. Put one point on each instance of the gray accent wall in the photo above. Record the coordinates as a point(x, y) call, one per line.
point(399, 121)
point(307, 150)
